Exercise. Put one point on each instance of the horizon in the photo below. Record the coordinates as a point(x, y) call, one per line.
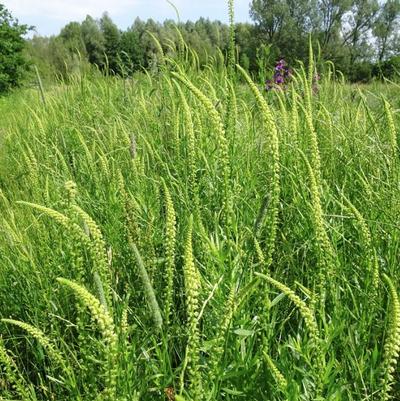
point(49, 17)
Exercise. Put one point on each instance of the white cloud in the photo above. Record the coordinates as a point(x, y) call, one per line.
point(71, 9)
point(48, 16)
point(78, 9)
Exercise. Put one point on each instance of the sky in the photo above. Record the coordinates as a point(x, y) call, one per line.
point(49, 16)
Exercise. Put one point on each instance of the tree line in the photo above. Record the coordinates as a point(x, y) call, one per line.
point(102, 43)
point(361, 37)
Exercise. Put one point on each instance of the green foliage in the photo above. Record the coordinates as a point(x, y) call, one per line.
point(389, 69)
point(131, 50)
point(93, 40)
point(361, 72)
point(214, 242)
point(13, 64)
point(112, 42)
point(351, 33)
point(71, 35)
point(386, 29)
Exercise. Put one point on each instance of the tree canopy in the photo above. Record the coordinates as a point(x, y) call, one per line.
point(12, 61)
point(348, 32)
point(361, 37)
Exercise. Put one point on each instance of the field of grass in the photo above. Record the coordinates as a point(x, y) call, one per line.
point(184, 235)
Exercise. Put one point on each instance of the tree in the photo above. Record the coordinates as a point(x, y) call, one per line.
point(331, 17)
point(38, 54)
point(60, 58)
point(13, 64)
point(246, 44)
point(359, 23)
point(269, 16)
point(386, 28)
point(112, 42)
point(285, 25)
point(150, 48)
point(343, 28)
point(131, 50)
point(93, 40)
point(71, 35)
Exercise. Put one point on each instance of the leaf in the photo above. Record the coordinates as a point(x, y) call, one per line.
point(232, 392)
point(243, 332)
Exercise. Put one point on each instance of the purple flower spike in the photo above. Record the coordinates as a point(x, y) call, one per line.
point(282, 74)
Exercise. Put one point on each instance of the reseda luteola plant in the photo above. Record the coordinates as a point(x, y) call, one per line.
point(182, 235)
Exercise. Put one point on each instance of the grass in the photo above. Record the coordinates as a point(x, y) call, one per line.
point(183, 235)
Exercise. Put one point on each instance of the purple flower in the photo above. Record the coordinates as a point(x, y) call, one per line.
point(282, 77)
point(280, 65)
point(282, 73)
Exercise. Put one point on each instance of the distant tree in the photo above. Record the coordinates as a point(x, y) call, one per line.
point(331, 18)
point(202, 42)
point(132, 53)
point(389, 68)
point(285, 25)
point(358, 25)
point(71, 35)
point(94, 41)
point(302, 20)
point(60, 57)
point(13, 63)
point(38, 53)
point(112, 42)
point(246, 44)
point(386, 29)
point(343, 29)
point(270, 17)
point(149, 46)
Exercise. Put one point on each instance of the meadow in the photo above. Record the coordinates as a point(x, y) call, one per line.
point(183, 235)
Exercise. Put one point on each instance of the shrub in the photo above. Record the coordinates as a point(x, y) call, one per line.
point(12, 61)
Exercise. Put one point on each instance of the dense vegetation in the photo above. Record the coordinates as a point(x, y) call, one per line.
point(13, 64)
point(360, 37)
point(177, 235)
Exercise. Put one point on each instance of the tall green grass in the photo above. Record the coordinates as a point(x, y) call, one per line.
point(183, 234)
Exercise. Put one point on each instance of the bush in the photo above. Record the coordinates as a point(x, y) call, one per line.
point(12, 62)
point(389, 69)
point(361, 72)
